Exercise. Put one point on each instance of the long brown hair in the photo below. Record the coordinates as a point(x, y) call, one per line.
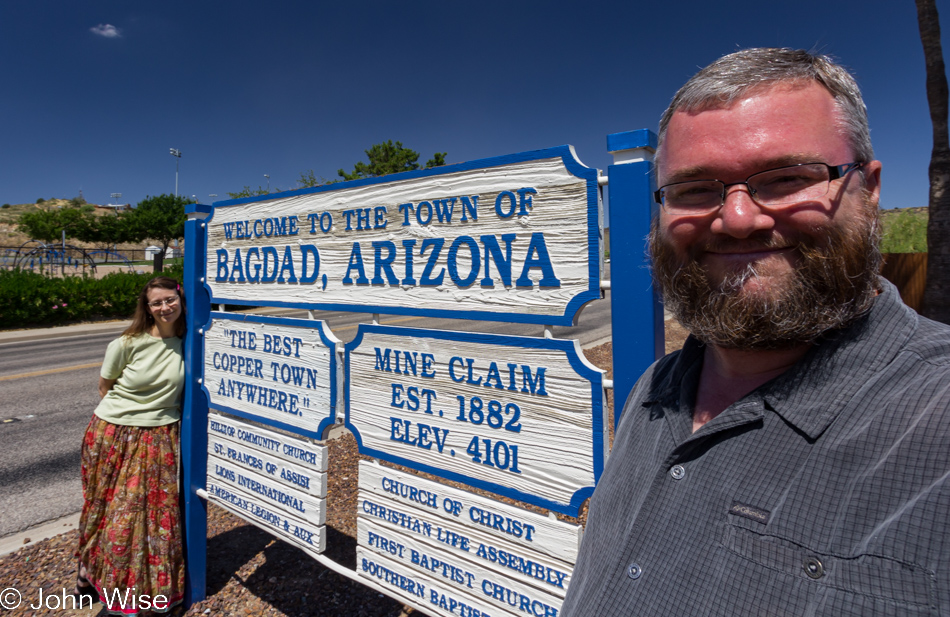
point(143, 321)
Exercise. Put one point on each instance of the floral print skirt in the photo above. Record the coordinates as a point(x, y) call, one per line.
point(130, 528)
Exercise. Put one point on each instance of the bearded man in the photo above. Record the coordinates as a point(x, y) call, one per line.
point(793, 458)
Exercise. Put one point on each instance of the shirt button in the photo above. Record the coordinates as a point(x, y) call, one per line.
point(634, 571)
point(677, 472)
point(814, 568)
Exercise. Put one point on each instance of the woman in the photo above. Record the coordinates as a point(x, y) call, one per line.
point(130, 530)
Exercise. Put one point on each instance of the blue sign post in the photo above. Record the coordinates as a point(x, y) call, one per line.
point(194, 434)
point(636, 312)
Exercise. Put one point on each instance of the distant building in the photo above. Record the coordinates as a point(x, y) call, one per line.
point(170, 253)
point(117, 208)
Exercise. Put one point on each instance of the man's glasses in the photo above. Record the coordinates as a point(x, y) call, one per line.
point(167, 301)
point(783, 186)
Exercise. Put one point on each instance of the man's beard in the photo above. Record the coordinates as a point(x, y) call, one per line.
point(833, 282)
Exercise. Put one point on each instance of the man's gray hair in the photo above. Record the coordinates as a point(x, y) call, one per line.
point(739, 74)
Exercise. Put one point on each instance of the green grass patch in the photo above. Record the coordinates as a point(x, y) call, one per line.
point(905, 230)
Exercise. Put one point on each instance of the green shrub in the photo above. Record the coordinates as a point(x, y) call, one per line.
point(175, 269)
point(904, 231)
point(31, 299)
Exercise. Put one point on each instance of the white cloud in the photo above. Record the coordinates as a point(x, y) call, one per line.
point(106, 30)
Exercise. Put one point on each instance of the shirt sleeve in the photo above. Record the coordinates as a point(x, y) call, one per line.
point(117, 357)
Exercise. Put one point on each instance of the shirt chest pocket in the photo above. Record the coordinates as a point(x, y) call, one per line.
point(779, 577)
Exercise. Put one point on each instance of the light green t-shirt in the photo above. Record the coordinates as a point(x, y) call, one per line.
point(150, 376)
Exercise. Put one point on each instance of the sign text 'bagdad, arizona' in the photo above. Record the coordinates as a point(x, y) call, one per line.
point(513, 239)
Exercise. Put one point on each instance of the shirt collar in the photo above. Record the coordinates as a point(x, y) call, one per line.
point(812, 393)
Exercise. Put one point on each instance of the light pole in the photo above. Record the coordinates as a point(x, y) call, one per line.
point(175, 152)
point(212, 196)
point(268, 182)
point(115, 200)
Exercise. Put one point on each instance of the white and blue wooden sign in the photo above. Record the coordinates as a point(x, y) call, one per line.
point(267, 491)
point(311, 538)
point(295, 463)
point(531, 537)
point(439, 547)
point(278, 371)
point(521, 417)
point(275, 481)
point(514, 238)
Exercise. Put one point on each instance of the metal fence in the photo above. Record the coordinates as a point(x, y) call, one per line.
point(69, 259)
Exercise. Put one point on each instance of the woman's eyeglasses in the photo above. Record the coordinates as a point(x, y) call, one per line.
point(167, 301)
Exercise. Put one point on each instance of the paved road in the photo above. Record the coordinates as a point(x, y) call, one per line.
point(44, 414)
point(48, 391)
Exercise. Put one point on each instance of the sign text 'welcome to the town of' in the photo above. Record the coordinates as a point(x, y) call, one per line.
point(508, 239)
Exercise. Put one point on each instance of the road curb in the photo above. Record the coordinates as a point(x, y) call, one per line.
point(596, 343)
point(38, 533)
point(39, 334)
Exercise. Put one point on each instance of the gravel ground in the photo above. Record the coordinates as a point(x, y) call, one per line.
point(250, 573)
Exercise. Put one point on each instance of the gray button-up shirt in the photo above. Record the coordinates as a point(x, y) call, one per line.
point(824, 492)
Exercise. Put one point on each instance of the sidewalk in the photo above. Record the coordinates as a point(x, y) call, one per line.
point(38, 334)
point(38, 533)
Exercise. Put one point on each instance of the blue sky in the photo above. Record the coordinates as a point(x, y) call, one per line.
point(95, 93)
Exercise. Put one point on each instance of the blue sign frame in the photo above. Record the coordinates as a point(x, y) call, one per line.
point(595, 377)
point(569, 159)
point(637, 337)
